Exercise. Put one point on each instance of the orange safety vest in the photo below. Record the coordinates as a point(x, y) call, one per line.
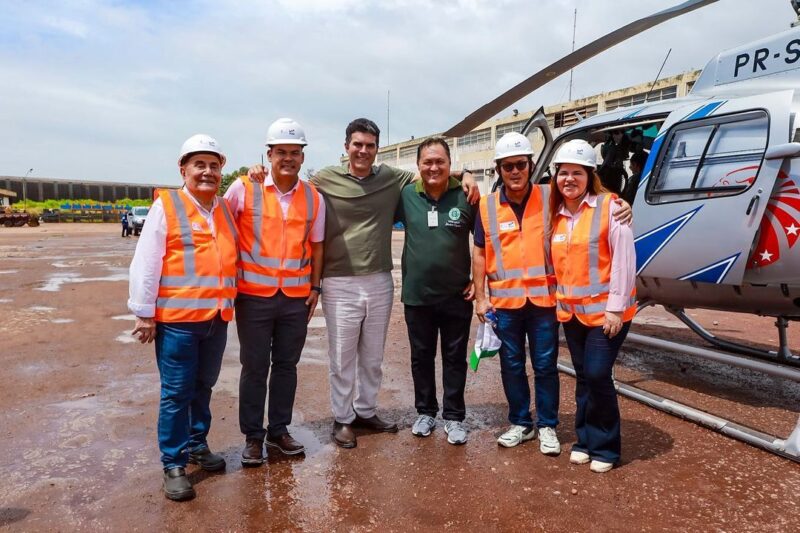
point(583, 266)
point(198, 276)
point(518, 262)
point(276, 251)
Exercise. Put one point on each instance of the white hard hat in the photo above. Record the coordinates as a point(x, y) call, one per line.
point(512, 144)
point(576, 151)
point(286, 131)
point(201, 143)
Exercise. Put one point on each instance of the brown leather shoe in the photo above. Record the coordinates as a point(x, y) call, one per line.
point(286, 444)
point(253, 453)
point(343, 435)
point(375, 423)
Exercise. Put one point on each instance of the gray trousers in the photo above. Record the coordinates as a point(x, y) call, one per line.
point(272, 332)
point(357, 310)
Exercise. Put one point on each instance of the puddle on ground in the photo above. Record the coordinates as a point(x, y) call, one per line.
point(5, 300)
point(8, 271)
point(41, 308)
point(62, 320)
point(317, 322)
point(55, 282)
point(78, 263)
point(126, 338)
point(124, 317)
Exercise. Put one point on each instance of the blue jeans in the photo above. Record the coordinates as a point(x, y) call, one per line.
point(189, 357)
point(539, 324)
point(597, 420)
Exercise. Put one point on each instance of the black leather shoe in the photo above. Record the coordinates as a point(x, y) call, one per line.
point(375, 423)
point(207, 460)
point(286, 444)
point(177, 486)
point(253, 453)
point(343, 435)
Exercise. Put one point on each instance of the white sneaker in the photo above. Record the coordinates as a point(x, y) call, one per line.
point(423, 425)
point(578, 458)
point(600, 467)
point(548, 441)
point(456, 432)
point(516, 435)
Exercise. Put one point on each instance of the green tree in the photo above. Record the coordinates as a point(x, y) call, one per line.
point(227, 179)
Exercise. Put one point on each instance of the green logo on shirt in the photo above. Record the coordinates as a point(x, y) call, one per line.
point(454, 213)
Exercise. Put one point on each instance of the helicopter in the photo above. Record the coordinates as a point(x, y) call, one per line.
point(717, 204)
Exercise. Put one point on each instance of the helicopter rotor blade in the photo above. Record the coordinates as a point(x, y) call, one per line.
point(567, 62)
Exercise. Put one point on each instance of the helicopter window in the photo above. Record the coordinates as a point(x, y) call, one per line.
point(714, 157)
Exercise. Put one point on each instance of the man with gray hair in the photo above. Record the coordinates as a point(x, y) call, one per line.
point(182, 290)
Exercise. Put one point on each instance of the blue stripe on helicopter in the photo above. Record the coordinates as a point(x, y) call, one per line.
point(634, 113)
point(651, 160)
point(704, 111)
point(700, 112)
point(713, 273)
point(649, 244)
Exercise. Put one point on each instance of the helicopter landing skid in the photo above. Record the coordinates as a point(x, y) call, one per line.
point(782, 356)
point(788, 448)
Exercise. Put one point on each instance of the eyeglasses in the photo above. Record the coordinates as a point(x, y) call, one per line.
point(519, 165)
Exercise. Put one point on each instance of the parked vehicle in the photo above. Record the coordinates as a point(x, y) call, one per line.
point(139, 216)
point(13, 218)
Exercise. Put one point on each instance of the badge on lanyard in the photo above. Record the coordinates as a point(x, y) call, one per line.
point(560, 237)
point(433, 218)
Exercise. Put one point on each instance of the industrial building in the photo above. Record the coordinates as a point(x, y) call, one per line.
point(40, 189)
point(475, 150)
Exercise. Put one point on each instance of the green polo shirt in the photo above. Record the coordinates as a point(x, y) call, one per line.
point(436, 260)
point(358, 218)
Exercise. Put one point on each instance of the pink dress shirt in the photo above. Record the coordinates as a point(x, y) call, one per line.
point(235, 197)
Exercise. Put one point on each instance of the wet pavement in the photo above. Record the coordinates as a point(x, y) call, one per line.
point(79, 403)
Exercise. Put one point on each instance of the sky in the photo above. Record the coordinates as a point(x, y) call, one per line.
point(109, 90)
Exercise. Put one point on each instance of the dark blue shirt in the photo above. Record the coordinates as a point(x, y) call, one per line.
point(479, 237)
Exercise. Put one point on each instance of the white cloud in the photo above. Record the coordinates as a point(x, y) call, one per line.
point(71, 27)
point(109, 90)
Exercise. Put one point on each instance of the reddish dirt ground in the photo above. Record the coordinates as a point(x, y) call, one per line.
point(79, 403)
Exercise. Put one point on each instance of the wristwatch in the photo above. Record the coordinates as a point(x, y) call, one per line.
point(316, 288)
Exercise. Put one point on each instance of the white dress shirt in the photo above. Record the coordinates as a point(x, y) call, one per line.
point(148, 260)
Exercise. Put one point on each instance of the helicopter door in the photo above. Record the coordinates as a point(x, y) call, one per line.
point(539, 121)
point(706, 184)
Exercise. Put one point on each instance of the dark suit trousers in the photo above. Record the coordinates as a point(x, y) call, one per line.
point(272, 332)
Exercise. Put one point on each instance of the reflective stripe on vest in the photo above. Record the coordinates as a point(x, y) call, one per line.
point(194, 303)
point(511, 287)
point(263, 275)
point(193, 280)
point(587, 301)
point(588, 309)
point(193, 296)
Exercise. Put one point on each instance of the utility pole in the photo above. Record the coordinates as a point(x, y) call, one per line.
point(388, 95)
point(574, 23)
point(25, 189)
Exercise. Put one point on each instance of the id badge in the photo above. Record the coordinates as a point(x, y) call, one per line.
point(433, 219)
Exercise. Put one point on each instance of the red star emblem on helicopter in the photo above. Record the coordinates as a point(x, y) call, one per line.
point(780, 227)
